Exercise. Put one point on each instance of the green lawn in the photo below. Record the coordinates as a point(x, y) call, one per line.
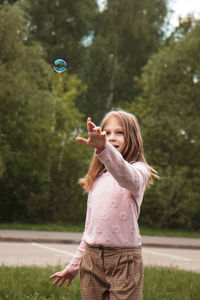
point(45, 227)
point(80, 228)
point(22, 283)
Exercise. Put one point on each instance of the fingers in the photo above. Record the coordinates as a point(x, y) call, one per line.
point(90, 125)
point(69, 282)
point(52, 276)
point(63, 281)
point(81, 140)
point(99, 132)
point(58, 280)
point(56, 275)
point(94, 132)
point(97, 129)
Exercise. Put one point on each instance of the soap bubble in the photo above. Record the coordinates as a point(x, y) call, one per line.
point(59, 65)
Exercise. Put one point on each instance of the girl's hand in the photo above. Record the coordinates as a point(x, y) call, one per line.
point(62, 276)
point(96, 139)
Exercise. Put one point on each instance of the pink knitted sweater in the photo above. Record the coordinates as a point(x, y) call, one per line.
point(113, 205)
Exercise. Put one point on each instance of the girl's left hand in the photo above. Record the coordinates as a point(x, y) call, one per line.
point(62, 277)
point(96, 139)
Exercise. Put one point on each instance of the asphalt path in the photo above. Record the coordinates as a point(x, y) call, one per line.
point(43, 254)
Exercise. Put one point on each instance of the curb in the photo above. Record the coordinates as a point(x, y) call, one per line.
point(174, 246)
point(68, 241)
point(38, 240)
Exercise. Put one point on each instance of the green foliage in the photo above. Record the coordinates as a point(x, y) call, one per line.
point(40, 160)
point(120, 41)
point(125, 34)
point(22, 283)
point(41, 112)
point(60, 26)
point(173, 202)
point(22, 94)
point(7, 1)
point(168, 111)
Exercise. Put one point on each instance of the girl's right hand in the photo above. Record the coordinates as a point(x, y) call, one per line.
point(96, 137)
point(62, 276)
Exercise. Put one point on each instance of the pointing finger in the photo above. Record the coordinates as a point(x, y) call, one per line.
point(81, 140)
point(90, 125)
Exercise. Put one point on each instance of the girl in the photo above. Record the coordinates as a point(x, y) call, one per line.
point(109, 257)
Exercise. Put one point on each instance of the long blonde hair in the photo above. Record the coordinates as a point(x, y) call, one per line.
point(132, 152)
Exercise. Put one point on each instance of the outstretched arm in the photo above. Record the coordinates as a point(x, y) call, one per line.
point(133, 177)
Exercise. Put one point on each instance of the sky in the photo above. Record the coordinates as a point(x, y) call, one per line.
point(183, 8)
point(180, 8)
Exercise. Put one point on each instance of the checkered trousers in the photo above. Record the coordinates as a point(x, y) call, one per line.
point(111, 273)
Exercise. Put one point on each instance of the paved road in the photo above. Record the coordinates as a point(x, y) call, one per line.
point(75, 237)
point(42, 254)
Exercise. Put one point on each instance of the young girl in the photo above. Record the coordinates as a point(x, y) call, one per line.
point(109, 257)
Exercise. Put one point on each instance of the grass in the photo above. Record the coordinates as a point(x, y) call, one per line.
point(169, 232)
point(80, 228)
point(45, 227)
point(170, 283)
point(22, 283)
point(31, 283)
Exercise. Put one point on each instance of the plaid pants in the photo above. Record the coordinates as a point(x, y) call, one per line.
point(111, 273)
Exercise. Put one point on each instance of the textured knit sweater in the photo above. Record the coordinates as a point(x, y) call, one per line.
point(113, 205)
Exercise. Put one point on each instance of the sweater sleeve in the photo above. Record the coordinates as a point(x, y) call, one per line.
point(133, 177)
point(74, 264)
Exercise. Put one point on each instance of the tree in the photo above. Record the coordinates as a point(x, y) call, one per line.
point(60, 27)
point(119, 42)
point(7, 1)
point(39, 158)
point(23, 84)
point(125, 35)
point(169, 115)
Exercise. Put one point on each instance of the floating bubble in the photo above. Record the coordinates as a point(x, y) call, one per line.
point(60, 65)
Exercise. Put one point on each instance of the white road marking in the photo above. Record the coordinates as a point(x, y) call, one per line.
point(167, 255)
point(144, 250)
point(53, 249)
